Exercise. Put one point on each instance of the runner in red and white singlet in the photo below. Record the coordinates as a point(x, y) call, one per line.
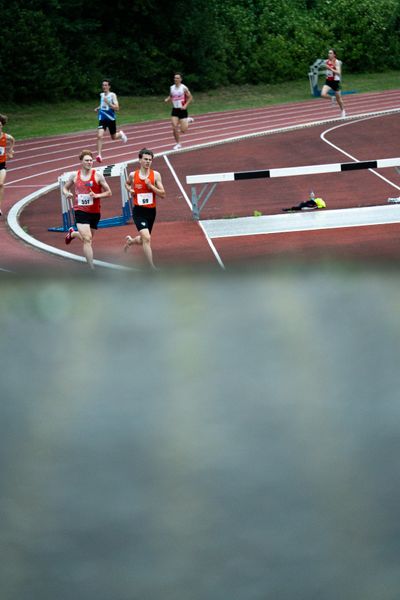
point(180, 96)
point(332, 81)
point(90, 186)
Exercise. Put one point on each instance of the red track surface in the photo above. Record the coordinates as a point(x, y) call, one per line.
point(179, 240)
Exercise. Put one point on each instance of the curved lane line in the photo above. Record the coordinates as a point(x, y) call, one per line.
point(16, 210)
point(323, 138)
point(13, 222)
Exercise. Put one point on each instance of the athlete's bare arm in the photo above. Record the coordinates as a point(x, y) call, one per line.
point(68, 185)
point(158, 188)
point(102, 181)
point(128, 182)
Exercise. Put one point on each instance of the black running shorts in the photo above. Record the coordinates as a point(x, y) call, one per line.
point(180, 113)
point(87, 218)
point(143, 217)
point(108, 124)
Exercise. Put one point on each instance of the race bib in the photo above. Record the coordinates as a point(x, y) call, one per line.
point(106, 105)
point(177, 103)
point(144, 199)
point(85, 200)
point(2, 151)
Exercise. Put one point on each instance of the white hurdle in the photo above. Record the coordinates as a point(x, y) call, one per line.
point(214, 178)
point(68, 219)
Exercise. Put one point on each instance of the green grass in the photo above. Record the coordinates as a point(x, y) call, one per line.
point(50, 119)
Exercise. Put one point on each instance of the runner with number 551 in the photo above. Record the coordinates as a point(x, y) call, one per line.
point(90, 186)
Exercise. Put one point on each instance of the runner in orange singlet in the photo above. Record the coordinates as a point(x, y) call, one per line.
point(4, 139)
point(144, 184)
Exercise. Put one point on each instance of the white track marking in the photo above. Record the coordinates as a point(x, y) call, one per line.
point(324, 133)
point(210, 243)
point(178, 183)
point(11, 185)
point(13, 222)
point(378, 101)
point(200, 142)
point(302, 221)
point(213, 248)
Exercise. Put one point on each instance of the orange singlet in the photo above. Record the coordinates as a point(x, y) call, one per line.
point(3, 144)
point(142, 196)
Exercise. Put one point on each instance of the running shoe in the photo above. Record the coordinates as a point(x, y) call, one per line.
point(177, 146)
point(343, 114)
point(68, 237)
point(123, 137)
point(98, 158)
point(190, 120)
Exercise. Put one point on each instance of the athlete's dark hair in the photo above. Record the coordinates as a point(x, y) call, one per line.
point(3, 119)
point(145, 151)
point(107, 80)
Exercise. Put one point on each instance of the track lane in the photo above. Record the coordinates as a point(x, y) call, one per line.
point(60, 152)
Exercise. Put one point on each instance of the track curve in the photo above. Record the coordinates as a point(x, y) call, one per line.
point(40, 161)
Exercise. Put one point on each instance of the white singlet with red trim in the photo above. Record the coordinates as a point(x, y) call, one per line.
point(178, 95)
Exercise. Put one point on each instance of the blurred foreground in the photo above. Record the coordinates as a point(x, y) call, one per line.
point(225, 436)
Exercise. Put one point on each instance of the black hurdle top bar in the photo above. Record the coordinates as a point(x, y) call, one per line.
point(351, 166)
point(252, 174)
point(294, 171)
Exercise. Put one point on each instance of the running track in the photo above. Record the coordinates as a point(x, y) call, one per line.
point(177, 238)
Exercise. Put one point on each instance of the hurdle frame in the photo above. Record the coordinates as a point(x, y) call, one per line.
point(196, 197)
point(316, 69)
point(214, 178)
point(68, 217)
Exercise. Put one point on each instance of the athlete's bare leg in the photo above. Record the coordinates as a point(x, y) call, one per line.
point(100, 136)
point(141, 240)
point(184, 124)
point(2, 180)
point(324, 91)
point(145, 235)
point(176, 128)
point(86, 235)
point(130, 241)
point(339, 100)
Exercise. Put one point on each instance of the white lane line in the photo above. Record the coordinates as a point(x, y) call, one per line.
point(13, 222)
point(196, 145)
point(356, 101)
point(11, 185)
point(303, 221)
point(188, 202)
point(216, 142)
point(324, 133)
point(211, 244)
point(178, 183)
